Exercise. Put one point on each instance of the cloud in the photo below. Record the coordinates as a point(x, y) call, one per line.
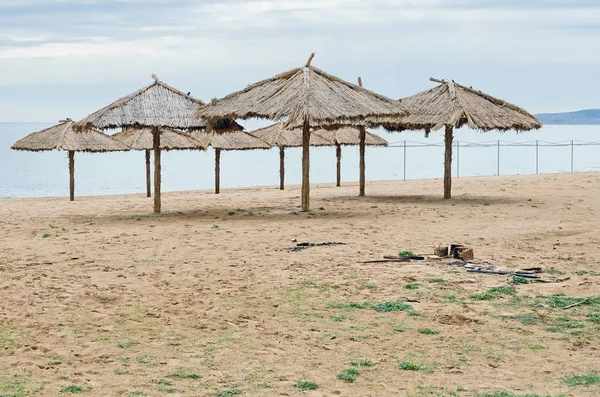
point(216, 46)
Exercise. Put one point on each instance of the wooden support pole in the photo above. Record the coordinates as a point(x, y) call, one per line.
point(148, 181)
point(448, 164)
point(217, 171)
point(338, 153)
point(363, 137)
point(71, 175)
point(281, 168)
point(156, 141)
point(306, 166)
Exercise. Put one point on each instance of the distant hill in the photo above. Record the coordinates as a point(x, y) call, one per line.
point(581, 117)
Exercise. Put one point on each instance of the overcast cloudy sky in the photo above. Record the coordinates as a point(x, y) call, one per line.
point(62, 58)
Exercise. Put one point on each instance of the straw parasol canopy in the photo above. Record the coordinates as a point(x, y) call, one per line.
point(278, 135)
point(452, 105)
point(143, 139)
point(236, 140)
point(155, 106)
point(305, 97)
point(63, 137)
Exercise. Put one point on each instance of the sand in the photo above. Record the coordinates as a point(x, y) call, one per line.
point(102, 296)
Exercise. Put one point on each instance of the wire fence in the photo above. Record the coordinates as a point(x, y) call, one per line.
point(457, 146)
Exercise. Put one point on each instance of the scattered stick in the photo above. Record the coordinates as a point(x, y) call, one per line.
point(501, 273)
point(576, 304)
point(301, 246)
point(389, 260)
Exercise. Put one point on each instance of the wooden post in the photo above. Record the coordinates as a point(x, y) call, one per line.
point(338, 152)
point(71, 175)
point(217, 171)
point(281, 168)
point(363, 137)
point(148, 182)
point(306, 166)
point(448, 164)
point(156, 136)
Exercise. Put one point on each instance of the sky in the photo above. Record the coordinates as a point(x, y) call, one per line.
point(67, 58)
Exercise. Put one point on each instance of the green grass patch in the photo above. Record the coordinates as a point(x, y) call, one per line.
point(509, 394)
point(392, 307)
point(349, 375)
point(409, 366)
point(411, 286)
point(228, 393)
point(438, 280)
point(555, 330)
point(184, 373)
point(519, 280)
point(349, 305)
point(339, 318)
point(415, 313)
point(525, 319)
point(426, 331)
point(494, 293)
point(593, 317)
point(405, 253)
point(587, 273)
point(582, 380)
point(560, 301)
point(306, 385)
point(72, 389)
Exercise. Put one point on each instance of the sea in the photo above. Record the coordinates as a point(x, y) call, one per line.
point(410, 155)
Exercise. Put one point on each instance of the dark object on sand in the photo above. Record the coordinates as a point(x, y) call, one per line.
point(301, 246)
point(501, 273)
point(391, 259)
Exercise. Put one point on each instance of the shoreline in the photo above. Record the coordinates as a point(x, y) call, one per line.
point(456, 182)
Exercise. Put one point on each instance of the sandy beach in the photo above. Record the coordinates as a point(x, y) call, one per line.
point(103, 297)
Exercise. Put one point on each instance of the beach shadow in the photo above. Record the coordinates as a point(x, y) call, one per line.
point(437, 200)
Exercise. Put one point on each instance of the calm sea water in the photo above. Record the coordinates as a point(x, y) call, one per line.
point(27, 174)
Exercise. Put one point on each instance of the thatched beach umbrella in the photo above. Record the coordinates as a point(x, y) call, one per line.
point(154, 106)
point(63, 137)
point(143, 139)
point(452, 105)
point(233, 140)
point(305, 97)
point(279, 135)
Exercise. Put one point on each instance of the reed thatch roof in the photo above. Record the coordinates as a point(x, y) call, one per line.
point(278, 135)
point(236, 140)
point(63, 137)
point(142, 139)
point(304, 93)
point(349, 136)
point(156, 105)
point(455, 105)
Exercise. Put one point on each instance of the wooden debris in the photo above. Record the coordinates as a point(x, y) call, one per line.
point(577, 303)
point(441, 251)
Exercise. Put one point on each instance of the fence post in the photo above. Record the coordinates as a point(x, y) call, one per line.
point(457, 159)
point(572, 163)
point(498, 158)
point(537, 158)
point(404, 161)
